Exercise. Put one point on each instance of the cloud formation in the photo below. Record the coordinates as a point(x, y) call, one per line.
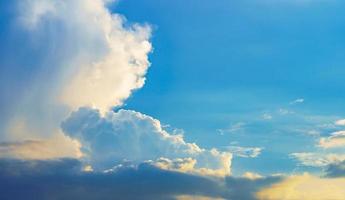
point(340, 122)
point(297, 101)
point(55, 147)
point(63, 179)
point(336, 139)
point(78, 54)
point(245, 152)
point(318, 159)
point(129, 136)
point(305, 187)
point(111, 59)
point(336, 170)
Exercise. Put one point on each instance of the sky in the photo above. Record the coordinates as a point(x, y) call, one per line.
point(154, 99)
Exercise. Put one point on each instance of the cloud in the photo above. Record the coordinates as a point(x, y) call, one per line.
point(318, 159)
point(234, 128)
point(336, 170)
point(337, 139)
point(283, 111)
point(297, 101)
point(10, 168)
point(91, 57)
point(131, 136)
point(252, 175)
point(56, 147)
point(340, 122)
point(63, 179)
point(267, 116)
point(305, 187)
point(246, 188)
point(245, 152)
point(193, 197)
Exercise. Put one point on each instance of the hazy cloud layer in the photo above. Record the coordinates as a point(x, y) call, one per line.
point(245, 152)
point(62, 179)
point(306, 187)
point(41, 149)
point(318, 159)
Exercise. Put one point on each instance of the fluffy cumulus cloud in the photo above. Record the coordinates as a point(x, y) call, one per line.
point(86, 59)
point(77, 53)
point(110, 60)
point(61, 138)
point(129, 136)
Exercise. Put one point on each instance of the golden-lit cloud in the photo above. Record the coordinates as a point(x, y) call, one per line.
point(337, 139)
point(305, 187)
point(196, 197)
point(134, 137)
point(59, 146)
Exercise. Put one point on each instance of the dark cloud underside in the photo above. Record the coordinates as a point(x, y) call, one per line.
point(62, 179)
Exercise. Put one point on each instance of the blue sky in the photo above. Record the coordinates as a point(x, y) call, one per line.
point(231, 94)
point(221, 63)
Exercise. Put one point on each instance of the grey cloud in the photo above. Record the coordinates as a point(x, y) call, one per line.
point(62, 179)
point(336, 170)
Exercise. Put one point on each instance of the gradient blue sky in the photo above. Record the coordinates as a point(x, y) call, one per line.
point(239, 94)
point(216, 64)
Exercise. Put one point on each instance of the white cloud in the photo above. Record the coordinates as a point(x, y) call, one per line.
point(252, 175)
point(297, 101)
point(87, 56)
point(236, 127)
point(246, 152)
point(111, 60)
point(318, 159)
point(129, 136)
point(188, 165)
point(337, 139)
point(340, 122)
point(267, 116)
point(283, 111)
point(90, 57)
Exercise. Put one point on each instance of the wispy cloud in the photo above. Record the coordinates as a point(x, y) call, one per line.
point(234, 128)
point(318, 159)
point(297, 101)
point(246, 152)
point(340, 122)
point(336, 139)
point(266, 116)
